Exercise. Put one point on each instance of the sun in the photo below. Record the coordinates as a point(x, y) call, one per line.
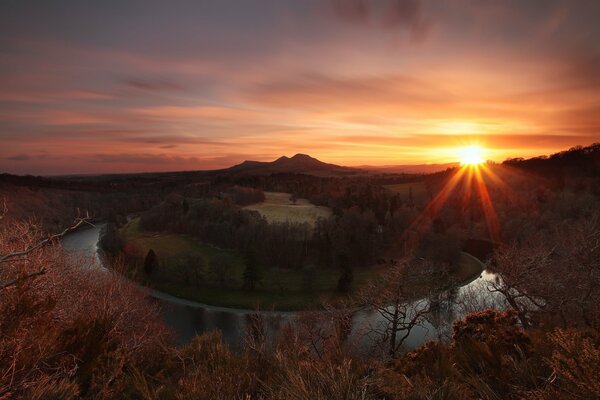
point(471, 155)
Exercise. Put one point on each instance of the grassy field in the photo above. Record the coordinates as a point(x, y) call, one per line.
point(279, 289)
point(278, 207)
point(419, 191)
point(170, 247)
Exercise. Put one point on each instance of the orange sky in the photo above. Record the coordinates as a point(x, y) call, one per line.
point(150, 86)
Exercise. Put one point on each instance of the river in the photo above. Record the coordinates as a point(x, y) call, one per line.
point(188, 318)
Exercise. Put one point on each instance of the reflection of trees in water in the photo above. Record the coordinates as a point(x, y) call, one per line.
point(441, 313)
point(401, 303)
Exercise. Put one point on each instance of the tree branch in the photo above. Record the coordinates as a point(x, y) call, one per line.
point(50, 239)
point(21, 278)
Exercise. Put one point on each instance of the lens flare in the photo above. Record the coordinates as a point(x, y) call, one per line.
point(471, 155)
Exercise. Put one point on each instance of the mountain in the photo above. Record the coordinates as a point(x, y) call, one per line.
point(298, 164)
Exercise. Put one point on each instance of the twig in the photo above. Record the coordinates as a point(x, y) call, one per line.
point(4, 209)
point(21, 278)
point(78, 222)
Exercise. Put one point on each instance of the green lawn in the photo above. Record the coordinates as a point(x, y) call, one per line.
point(280, 289)
point(186, 270)
point(278, 207)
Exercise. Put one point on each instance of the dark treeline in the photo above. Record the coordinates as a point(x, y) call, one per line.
point(54, 209)
point(127, 193)
point(354, 236)
point(337, 193)
point(578, 161)
point(243, 196)
point(107, 183)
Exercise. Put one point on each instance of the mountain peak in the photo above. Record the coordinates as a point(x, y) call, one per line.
point(301, 156)
point(248, 162)
point(281, 159)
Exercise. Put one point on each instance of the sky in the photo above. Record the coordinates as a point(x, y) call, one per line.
point(148, 85)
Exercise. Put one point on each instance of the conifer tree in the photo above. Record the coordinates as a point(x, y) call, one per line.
point(251, 274)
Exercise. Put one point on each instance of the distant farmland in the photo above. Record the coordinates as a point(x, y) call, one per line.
point(278, 207)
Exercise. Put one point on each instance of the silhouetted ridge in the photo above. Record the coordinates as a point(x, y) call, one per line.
point(299, 164)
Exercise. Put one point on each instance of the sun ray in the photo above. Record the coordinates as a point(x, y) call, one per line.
point(489, 212)
point(466, 198)
point(412, 235)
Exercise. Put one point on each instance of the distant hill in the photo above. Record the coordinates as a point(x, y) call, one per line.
point(408, 169)
point(298, 164)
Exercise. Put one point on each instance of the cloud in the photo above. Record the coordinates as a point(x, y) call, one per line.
point(327, 92)
point(198, 113)
point(149, 159)
point(153, 85)
point(494, 141)
point(389, 14)
point(351, 10)
point(18, 157)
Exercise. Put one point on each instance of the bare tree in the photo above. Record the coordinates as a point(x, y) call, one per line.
point(70, 311)
point(557, 279)
point(22, 255)
point(522, 278)
point(394, 297)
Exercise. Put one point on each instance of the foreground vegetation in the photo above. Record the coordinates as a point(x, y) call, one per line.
point(79, 333)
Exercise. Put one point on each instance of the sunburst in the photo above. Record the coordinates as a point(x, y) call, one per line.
point(471, 155)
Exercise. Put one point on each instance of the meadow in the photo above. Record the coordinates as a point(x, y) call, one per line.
point(278, 207)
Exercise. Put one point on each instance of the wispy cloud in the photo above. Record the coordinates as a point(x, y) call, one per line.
point(18, 157)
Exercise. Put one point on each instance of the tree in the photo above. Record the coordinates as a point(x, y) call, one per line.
point(150, 262)
point(110, 241)
point(393, 297)
point(553, 279)
point(347, 277)
point(251, 274)
point(309, 277)
point(220, 267)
